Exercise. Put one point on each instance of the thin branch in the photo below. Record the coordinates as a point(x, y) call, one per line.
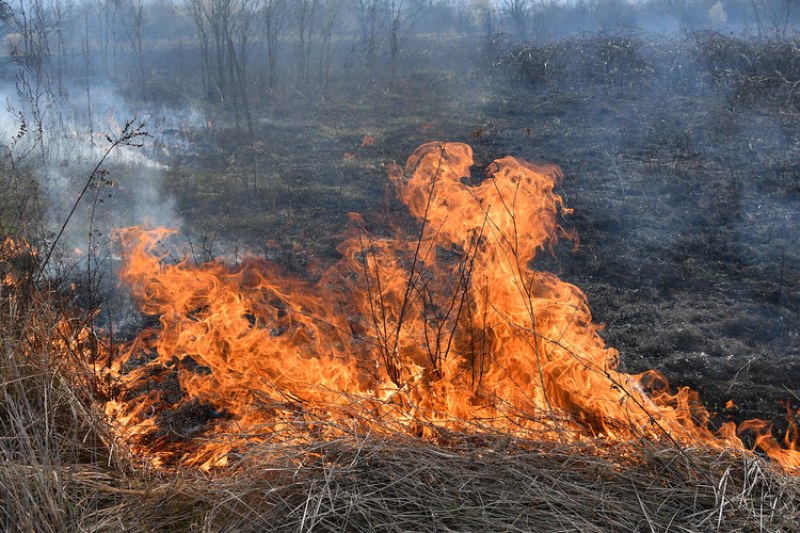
point(126, 138)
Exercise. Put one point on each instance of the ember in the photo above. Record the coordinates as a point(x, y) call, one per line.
point(449, 330)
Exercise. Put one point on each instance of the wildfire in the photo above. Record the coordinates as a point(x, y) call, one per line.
point(450, 329)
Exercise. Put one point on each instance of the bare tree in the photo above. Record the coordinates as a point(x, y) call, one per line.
point(115, 24)
point(274, 14)
point(212, 19)
point(222, 31)
point(482, 16)
point(200, 18)
point(243, 15)
point(772, 16)
point(785, 16)
point(104, 18)
point(400, 13)
point(131, 19)
point(305, 12)
point(518, 12)
point(86, 51)
point(371, 18)
point(6, 12)
point(329, 13)
point(34, 21)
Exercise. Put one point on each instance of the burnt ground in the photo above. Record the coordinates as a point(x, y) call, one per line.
point(686, 192)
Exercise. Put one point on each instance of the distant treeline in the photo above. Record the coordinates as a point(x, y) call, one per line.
point(239, 53)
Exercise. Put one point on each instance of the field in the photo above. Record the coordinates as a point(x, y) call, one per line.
point(685, 190)
point(680, 160)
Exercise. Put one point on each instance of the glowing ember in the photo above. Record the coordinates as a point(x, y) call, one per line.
point(448, 330)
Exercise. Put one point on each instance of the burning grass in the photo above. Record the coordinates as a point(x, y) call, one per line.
point(65, 465)
point(63, 470)
point(451, 330)
point(472, 394)
point(52, 441)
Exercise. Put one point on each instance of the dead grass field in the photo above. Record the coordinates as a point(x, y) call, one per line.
point(681, 163)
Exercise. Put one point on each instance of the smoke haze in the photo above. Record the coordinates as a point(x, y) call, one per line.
point(268, 120)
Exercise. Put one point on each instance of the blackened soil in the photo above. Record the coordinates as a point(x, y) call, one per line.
point(687, 205)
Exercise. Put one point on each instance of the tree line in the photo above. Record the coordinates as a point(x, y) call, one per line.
point(238, 53)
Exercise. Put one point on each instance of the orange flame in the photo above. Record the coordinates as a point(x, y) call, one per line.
point(447, 330)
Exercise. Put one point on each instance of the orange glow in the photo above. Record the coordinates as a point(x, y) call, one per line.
point(449, 329)
point(14, 254)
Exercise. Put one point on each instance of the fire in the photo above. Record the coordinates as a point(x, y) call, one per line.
point(446, 330)
point(16, 258)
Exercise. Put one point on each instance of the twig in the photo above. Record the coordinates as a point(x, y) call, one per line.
point(125, 138)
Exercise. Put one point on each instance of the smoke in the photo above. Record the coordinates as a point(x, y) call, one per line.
point(64, 143)
point(255, 137)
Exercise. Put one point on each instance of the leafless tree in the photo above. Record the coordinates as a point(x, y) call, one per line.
point(274, 16)
point(518, 12)
point(371, 18)
point(6, 11)
point(772, 16)
point(86, 51)
point(481, 13)
point(130, 19)
point(400, 13)
point(103, 16)
point(222, 30)
point(328, 16)
point(37, 89)
point(306, 12)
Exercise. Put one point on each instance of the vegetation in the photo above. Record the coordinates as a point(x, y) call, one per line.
point(62, 470)
point(269, 120)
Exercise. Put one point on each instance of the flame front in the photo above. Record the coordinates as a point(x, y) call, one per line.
point(446, 330)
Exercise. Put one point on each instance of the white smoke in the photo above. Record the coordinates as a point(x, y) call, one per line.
point(61, 140)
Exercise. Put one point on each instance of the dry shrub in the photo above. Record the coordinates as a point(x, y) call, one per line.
point(605, 59)
point(719, 56)
point(755, 71)
point(749, 71)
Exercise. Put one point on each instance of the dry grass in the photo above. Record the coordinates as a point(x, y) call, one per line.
point(393, 485)
point(372, 484)
point(377, 485)
point(390, 485)
point(61, 471)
